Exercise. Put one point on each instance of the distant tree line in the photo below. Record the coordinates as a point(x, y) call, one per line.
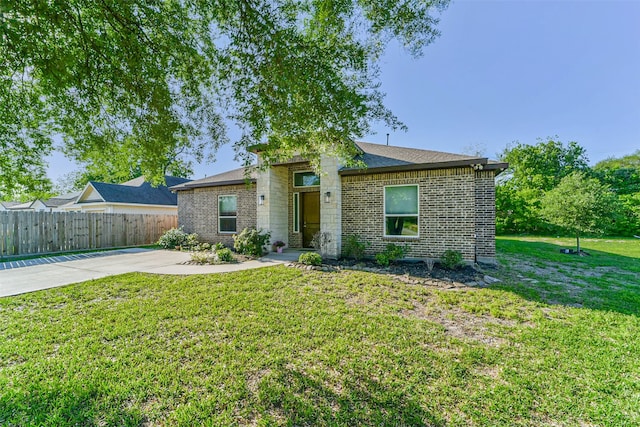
point(528, 190)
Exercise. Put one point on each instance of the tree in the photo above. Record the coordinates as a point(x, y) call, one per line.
point(533, 170)
point(622, 174)
point(579, 204)
point(301, 75)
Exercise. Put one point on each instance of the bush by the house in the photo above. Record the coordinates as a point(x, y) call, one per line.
point(310, 258)
point(225, 255)
point(176, 237)
point(215, 256)
point(391, 254)
point(452, 260)
point(354, 247)
point(251, 242)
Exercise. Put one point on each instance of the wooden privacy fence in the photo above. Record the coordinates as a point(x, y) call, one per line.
point(48, 232)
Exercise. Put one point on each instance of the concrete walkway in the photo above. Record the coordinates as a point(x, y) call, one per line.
point(59, 271)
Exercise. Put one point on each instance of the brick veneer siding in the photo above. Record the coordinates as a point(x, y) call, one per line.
point(485, 216)
point(198, 211)
point(447, 211)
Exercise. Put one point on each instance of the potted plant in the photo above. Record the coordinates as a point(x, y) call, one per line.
point(279, 245)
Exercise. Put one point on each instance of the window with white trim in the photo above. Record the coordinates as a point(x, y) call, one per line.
point(227, 214)
point(401, 211)
point(305, 179)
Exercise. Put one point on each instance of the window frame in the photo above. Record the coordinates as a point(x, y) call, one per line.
point(385, 215)
point(296, 212)
point(305, 186)
point(227, 216)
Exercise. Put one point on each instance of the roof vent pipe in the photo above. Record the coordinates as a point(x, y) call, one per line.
point(387, 139)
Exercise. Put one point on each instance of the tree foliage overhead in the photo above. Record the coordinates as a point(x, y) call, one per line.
point(167, 75)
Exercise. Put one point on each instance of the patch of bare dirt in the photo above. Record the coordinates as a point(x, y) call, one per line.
point(460, 324)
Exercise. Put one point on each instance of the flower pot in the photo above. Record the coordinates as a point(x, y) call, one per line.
point(279, 249)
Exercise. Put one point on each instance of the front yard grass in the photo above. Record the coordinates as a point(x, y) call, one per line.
point(555, 343)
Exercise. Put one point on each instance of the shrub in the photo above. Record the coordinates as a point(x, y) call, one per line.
point(354, 247)
point(391, 254)
point(176, 237)
point(220, 256)
point(251, 242)
point(310, 258)
point(201, 257)
point(451, 259)
point(224, 255)
point(218, 246)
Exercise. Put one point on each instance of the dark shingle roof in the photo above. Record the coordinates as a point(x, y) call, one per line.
point(139, 191)
point(235, 176)
point(378, 156)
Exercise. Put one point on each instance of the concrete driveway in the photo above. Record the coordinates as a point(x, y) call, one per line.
point(22, 279)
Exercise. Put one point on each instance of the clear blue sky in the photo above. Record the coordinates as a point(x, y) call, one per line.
point(506, 71)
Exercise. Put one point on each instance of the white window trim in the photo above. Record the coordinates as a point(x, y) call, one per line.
point(305, 186)
point(227, 216)
point(384, 212)
point(296, 214)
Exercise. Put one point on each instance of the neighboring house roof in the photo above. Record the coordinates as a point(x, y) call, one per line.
point(63, 199)
point(236, 176)
point(8, 205)
point(378, 157)
point(137, 191)
point(27, 206)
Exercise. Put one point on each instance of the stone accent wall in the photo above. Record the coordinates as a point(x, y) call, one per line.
point(447, 211)
point(485, 217)
point(198, 211)
point(331, 212)
point(272, 215)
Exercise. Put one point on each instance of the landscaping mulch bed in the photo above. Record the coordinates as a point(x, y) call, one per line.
point(414, 272)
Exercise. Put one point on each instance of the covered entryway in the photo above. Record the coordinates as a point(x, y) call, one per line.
point(310, 216)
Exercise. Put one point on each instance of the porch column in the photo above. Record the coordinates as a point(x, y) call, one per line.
point(331, 207)
point(272, 213)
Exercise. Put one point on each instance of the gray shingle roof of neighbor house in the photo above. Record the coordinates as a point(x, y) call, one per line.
point(379, 158)
point(62, 199)
point(235, 176)
point(8, 205)
point(138, 191)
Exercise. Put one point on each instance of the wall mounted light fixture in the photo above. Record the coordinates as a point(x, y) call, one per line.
point(327, 196)
point(261, 199)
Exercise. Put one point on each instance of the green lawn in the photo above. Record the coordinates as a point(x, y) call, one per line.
point(556, 343)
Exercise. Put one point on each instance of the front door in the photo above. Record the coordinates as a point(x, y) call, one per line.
point(310, 216)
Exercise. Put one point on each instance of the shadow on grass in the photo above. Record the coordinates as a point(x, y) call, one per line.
point(538, 271)
point(301, 400)
point(79, 406)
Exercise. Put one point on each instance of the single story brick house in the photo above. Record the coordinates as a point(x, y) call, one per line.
point(428, 200)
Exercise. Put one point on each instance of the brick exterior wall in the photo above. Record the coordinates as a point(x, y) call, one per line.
point(447, 211)
point(198, 211)
point(485, 216)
